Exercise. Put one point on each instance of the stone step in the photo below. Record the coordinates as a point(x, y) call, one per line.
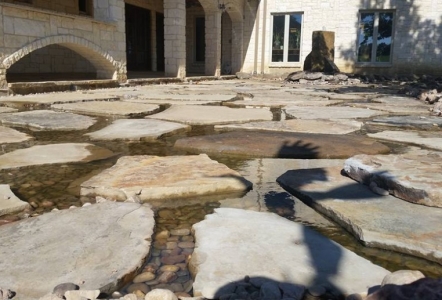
point(379, 221)
point(413, 176)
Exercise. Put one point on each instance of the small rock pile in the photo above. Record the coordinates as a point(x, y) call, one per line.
point(432, 97)
point(304, 77)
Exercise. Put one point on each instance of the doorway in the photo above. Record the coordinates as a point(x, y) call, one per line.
point(138, 38)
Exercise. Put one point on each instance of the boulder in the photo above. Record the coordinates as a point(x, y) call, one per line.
point(413, 176)
point(9, 202)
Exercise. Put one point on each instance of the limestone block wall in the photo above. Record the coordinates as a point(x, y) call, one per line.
point(417, 37)
point(175, 38)
point(101, 40)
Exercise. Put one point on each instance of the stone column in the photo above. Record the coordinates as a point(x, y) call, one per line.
point(175, 38)
point(237, 46)
point(3, 83)
point(213, 44)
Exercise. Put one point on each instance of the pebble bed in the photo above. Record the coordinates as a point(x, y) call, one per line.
point(172, 247)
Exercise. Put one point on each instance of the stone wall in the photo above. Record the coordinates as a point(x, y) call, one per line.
point(25, 29)
point(417, 44)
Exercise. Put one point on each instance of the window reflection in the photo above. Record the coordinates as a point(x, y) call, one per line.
point(286, 39)
point(366, 27)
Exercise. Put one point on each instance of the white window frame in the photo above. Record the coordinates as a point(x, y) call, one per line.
point(373, 62)
point(285, 63)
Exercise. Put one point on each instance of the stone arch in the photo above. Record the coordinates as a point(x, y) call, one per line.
point(235, 10)
point(107, 67)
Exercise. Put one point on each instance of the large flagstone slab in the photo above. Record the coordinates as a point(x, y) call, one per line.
point(95, 247)
point(281, 145)
point(333, 112)
point(61, 97)
point(282, 99)
point(53, 154)
point(394, 109)
point(408, 122)
point(188, 96)
point(234, 243)
point(105, 108)
point(150, 178)
point(9, 202)
point(206, 115)
point(47, 120)
point(10, 136)
point(338, 126)
point(414, 176)
point(136, 129)
point(432, 140)
point(379, 221)
point(4, 109)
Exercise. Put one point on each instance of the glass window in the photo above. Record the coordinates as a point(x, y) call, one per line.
point(375, 37)
point(286, 38)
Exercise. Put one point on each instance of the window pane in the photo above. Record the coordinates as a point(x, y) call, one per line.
point(365, 39)
point(385, 30)
point(294, 37)
point(278, 38)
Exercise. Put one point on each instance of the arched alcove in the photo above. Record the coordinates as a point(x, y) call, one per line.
point(54, 56)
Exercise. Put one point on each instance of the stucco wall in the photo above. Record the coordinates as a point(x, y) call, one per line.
point(417, 35)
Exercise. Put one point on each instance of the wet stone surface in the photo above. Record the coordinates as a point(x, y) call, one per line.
point(407, 122)
point(47, 120)
point(282, 145)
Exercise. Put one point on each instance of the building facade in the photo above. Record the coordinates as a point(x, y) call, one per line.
point(111, 39)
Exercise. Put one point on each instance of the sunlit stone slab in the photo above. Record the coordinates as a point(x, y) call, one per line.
point(9, 202)
point(337, 126)
point(53, 154)
point(101, 108)
point(207, 115)
point(47, 120)
point(150, 178)
point(137, 129)
point(95, 247)
point(332, 112)
point(233, 243)
point(432, 140)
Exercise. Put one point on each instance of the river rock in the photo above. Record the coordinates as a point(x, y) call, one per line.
point(149, 178)
point(281, 145)
point(107, 108)
point(160, 294)
point(413, 176)
point(338, 126)
point(330, 112)
point(82, 294)
point(379, 221)
point(53, 154)
point(143, 277)
point(432, 140)
point(136, 129)
point(408, 122)
point(47, 120)
point(425, 288)
point(402, 277)
point(211, 115)
point(233, 243)
point(94, 256)
point(9, 202)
